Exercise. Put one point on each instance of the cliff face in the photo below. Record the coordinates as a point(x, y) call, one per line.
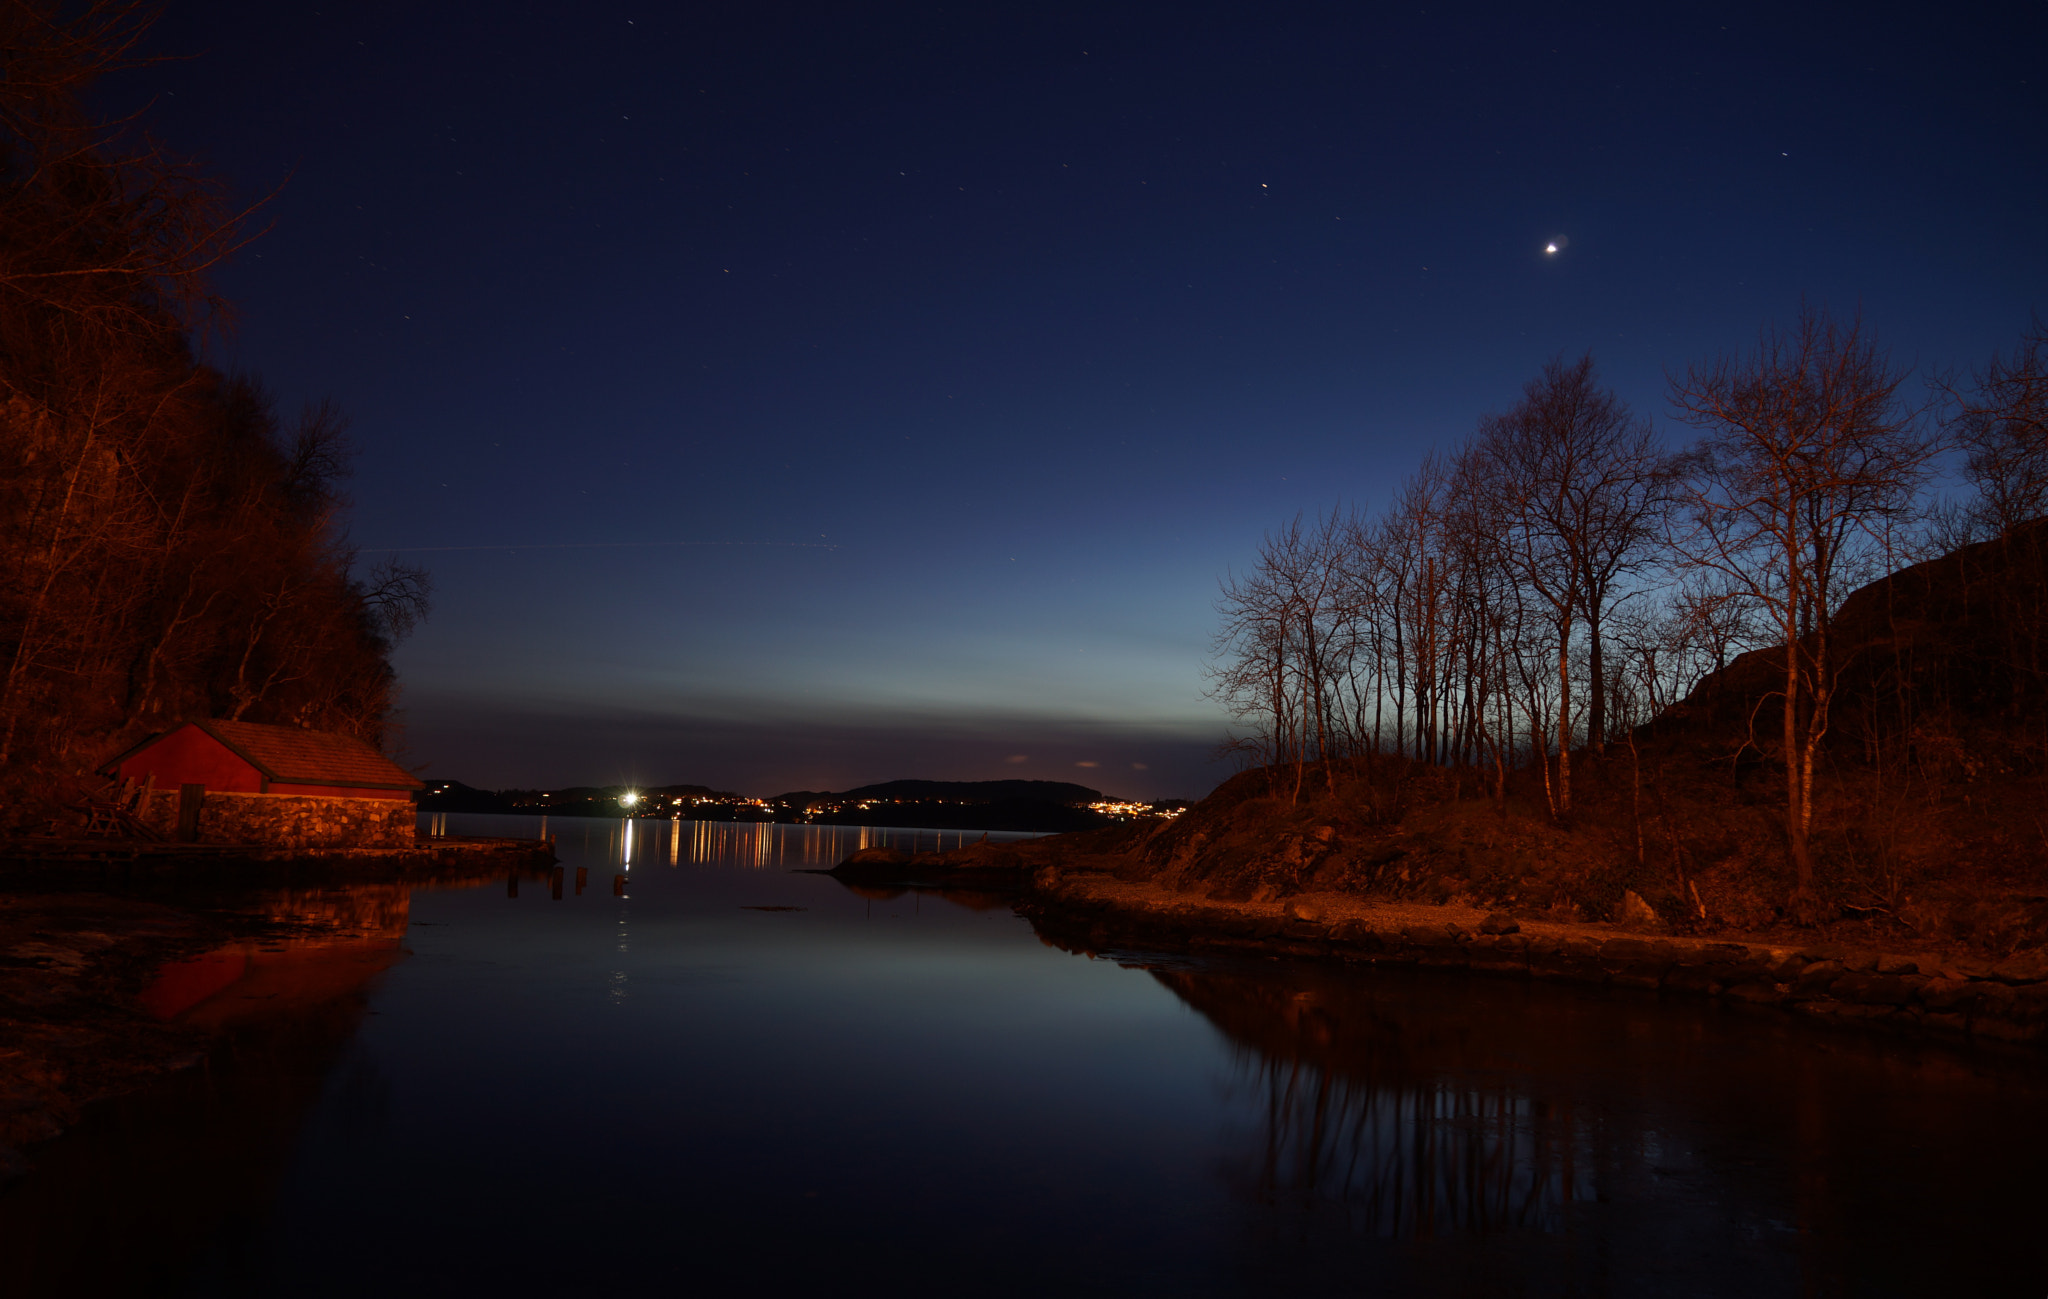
point(1946, 653)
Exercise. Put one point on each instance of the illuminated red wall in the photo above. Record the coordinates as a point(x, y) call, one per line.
point(189, 756)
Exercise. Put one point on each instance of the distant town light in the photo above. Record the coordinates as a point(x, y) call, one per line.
point(629, 799)
point(1121, 810)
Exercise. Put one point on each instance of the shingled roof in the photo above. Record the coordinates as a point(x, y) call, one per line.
point(289, 755)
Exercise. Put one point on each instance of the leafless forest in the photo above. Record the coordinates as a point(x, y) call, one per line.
point(170, 544)
point(1542, 594)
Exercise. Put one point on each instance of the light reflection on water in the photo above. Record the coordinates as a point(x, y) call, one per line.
point(631, 841)
point(731, 1078)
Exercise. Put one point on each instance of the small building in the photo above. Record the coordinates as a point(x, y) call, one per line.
point(277, 786)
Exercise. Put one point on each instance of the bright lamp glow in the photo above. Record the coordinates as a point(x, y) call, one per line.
point(629, 799)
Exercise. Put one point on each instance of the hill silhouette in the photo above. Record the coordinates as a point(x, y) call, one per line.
point(980, 791)
point(1049, 806)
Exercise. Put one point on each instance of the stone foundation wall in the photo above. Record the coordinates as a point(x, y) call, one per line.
point(290, 820)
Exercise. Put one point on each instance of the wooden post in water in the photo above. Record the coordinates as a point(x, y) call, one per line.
point(582, 878)
point(511, 886)
point(618, 886)
point(556, 883)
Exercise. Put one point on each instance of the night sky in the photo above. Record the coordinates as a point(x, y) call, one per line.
point(798, 397)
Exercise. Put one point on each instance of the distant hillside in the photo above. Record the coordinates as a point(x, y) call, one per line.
point(1042, 805)
point(978, 791)
point(614, 792)
point(699, 802)
point(1036, 805)
point(454, 796)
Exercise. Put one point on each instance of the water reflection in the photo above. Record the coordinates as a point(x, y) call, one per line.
point(1499, 1132)
point(1359, 1114)
point(124, 1201)
point(626, 841)
point(749, 1080)
point(1418, 1162)
point(972, 899)
point(333, 942)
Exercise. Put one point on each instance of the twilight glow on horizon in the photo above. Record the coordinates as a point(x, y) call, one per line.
point(796, 397)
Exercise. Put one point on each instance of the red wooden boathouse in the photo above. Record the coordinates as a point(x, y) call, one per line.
point(250, 782)
point(256, 758)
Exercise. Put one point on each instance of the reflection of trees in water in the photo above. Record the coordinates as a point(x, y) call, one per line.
point(1507, 1137)
point(1402, 1107)
point(340, 913)
point(972, 899)
point(1412, 1160)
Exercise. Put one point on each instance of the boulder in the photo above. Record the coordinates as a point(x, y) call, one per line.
point(1637, 913)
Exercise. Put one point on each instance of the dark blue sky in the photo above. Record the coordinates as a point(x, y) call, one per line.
point(856, 392)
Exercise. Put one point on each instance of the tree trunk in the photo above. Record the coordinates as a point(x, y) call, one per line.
point(1596, 712)
point(1564, 721)
point(1798, 782)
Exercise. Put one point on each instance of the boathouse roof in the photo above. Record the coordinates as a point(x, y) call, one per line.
point(291, 755)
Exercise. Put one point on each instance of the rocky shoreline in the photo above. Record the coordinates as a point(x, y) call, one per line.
point(1955, 998)
point(1086, 901)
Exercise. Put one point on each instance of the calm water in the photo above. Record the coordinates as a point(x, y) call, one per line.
point(665, 1090)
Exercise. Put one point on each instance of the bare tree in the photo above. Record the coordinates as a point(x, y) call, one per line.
point(2001, 423)
point(1286, 642)
point(399, 597)
point(1808, 452)
point(1575, 483)
point(1251, 674)
point(103, 225)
